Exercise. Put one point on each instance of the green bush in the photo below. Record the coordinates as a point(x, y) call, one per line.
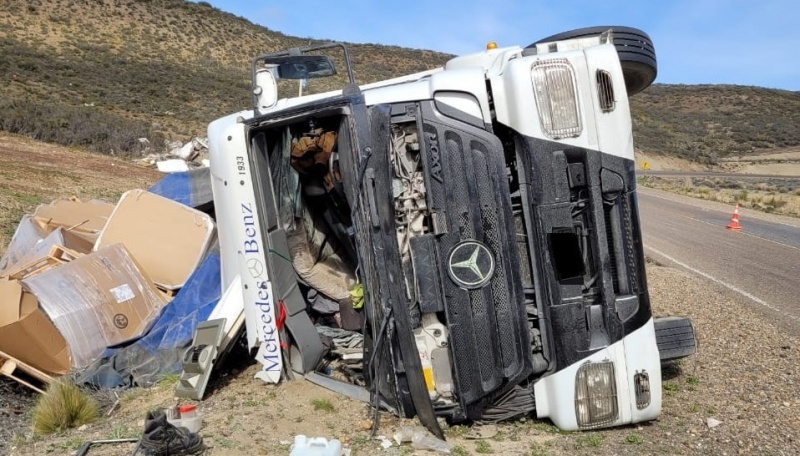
point(83, 126)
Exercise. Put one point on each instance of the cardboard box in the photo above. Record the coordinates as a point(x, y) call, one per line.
point(59, 238)
point(27, 334)
point(85, 219)
point(167, 238)
point(98, 300)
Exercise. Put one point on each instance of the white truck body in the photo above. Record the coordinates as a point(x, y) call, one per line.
point(569, 324)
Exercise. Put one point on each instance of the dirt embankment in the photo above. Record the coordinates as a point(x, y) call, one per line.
point(777, 162)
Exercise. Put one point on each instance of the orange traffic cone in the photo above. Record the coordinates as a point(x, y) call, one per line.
point(734, 225)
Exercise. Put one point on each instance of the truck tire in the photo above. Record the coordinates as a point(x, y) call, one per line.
point(635, 48)
point(675, 338)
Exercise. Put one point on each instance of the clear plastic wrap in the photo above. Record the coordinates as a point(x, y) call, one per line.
point(98, 300)
point(26, 237)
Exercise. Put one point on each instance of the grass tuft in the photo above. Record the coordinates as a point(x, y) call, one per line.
point(323, 404)
point(634, 439)
point(63, 406)
point(593, 440)
point(483, 447)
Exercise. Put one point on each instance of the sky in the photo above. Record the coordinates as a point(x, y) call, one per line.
point(750, 42)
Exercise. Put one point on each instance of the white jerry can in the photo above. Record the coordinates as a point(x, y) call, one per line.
point(315, 446)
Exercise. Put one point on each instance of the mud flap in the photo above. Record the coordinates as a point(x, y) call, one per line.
point(675, 338)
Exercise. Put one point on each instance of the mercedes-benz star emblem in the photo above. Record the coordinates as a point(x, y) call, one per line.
point(470, 264)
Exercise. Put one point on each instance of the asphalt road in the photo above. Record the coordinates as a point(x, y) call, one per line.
point(760, 264)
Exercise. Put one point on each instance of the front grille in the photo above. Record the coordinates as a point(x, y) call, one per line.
point(488, 333)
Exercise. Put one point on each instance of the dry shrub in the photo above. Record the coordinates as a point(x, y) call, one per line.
point(63, 406)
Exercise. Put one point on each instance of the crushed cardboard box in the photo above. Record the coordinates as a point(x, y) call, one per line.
point(26, 332)
point(167, 238)
point(80, 223)
point(98, 300)
point(84, 218)
point(78, 277)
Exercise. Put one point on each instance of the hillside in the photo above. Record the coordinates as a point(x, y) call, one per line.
point(707, 122)
point(103, 73)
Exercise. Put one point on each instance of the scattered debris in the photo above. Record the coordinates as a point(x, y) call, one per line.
point(114, 405)
point(84, 449)
point(172, 165)
point(22, 372)
point(315, 446)
point(179, 157)
point(421, 439)
point(186, 416)
point(162, 437)
point(482, 432)
point(712, 423)
point(385, 442)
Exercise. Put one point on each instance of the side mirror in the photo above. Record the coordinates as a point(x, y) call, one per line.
point(294, 63)
point(301, 66)
point(265, 88)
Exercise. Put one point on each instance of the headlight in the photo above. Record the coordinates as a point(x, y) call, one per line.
point(556, 98)
point(596, 395)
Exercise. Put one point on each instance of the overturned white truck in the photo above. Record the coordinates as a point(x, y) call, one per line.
point(488, 212)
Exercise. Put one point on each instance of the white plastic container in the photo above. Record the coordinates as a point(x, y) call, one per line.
point(315, 446)
point(193, 424)
point(186, 416)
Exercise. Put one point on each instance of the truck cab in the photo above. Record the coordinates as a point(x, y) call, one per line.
point(487, 212)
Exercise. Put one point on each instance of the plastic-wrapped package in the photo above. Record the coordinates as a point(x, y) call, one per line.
point(58, 239)
point(25, 238)
point(98, 300)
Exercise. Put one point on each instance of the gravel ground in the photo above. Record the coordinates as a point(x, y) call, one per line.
point(738, 395)
point(744, 377)
point(15, 401)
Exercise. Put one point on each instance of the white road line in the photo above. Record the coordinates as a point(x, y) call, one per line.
point(723, 283)
point(745, 233)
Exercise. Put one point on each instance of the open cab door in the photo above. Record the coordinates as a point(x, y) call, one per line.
point(323, 186)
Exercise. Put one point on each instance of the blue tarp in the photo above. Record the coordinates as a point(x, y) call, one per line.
point(192, 188)
point(160, 350)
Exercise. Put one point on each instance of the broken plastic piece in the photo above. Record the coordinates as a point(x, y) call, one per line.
point(420, 439)
point(428, 442)
point(199, 358)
